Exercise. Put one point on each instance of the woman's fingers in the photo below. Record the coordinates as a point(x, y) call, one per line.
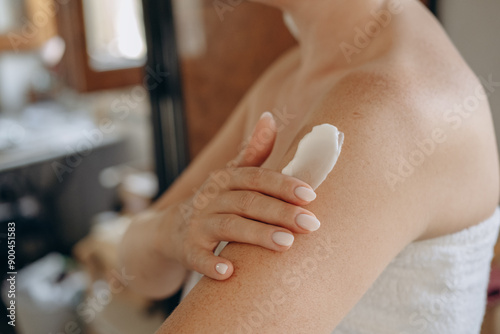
point(267, 182)
point(233, 228)
point(266, 209)
point(206, 263)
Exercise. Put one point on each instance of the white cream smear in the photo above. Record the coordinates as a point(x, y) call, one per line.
point(316, 155)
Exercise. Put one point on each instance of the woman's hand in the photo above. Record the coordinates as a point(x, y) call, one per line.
point(245, 204)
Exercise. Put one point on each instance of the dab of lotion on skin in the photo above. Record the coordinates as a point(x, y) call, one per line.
point(317, 154)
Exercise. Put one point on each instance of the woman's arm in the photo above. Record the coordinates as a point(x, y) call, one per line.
point(365, 224)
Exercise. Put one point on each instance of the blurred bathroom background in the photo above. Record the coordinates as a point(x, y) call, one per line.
point(103, 103)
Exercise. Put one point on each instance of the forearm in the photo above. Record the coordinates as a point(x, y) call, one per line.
point(157, 275)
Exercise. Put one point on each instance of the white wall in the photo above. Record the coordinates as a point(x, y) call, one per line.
point(474, 26)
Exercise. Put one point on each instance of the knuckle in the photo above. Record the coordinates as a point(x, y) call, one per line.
point(286, 186)
point(220, 171)
point(199, 201)
point(255, 177)
point(225, 226)
point(231, 169)
point(245, 201)
point(288, 213)
point(192, 225)
point(226, 199)
point(223, 177)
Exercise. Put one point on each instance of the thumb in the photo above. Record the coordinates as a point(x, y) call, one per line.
point(260, 144)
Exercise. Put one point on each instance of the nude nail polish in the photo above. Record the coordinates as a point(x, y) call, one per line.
point(305, 194)
point(283, 238)
point(221, 268)
point(307, 222)
point(266, 114)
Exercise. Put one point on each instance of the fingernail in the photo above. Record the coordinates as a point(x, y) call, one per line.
point(307, 222)
point(305, 194)
point(266, 114)
point(221, 268)
point(283, 238)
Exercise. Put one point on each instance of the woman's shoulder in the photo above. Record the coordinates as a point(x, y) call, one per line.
point(433, 132)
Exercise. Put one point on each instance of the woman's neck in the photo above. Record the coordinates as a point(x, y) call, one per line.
point(328, 30)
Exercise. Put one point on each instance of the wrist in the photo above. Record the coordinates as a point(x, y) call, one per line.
point(162, 233)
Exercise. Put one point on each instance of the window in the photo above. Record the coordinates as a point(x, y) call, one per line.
point(115, 34)
point(105, 45)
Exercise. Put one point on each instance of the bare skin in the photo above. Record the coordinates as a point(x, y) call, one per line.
point(395, 93)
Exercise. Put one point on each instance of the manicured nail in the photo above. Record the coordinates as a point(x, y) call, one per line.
point(283, 238)
point(305, 194)
point(308, 222)
point(221, 268)
point(266, 114)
